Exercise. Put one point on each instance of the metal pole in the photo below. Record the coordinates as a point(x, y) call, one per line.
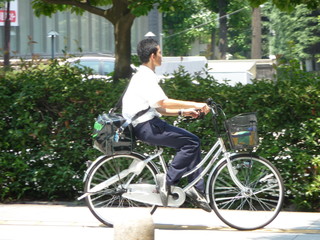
point(52, 46)
point(52, 35)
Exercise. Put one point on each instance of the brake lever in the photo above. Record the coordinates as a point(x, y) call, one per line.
point(213, 105)
point(210, 101)
point(201, 114)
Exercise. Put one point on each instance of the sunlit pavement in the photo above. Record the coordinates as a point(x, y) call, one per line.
point(67, 221)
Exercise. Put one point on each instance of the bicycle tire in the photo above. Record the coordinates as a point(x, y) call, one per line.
point(107, 204)
point(255, 207)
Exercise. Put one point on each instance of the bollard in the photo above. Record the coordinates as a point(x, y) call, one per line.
point(134, 224)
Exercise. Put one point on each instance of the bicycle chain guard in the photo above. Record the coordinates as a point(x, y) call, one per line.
point(147, 193)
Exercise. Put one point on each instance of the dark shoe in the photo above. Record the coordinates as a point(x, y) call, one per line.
point(198, 199)
point(163, 188)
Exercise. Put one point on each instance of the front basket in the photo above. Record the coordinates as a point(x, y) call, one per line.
point(243, 131)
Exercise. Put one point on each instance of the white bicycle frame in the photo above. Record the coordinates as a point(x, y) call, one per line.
point(217, 149)
point(136, 168)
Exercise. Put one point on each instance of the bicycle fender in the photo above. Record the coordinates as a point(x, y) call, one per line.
point(105, 156)
point(91, 166)
point(232, 155)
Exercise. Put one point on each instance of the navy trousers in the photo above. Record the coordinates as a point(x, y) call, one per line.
point(187, 146)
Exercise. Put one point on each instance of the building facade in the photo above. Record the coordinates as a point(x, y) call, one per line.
point(78, 35)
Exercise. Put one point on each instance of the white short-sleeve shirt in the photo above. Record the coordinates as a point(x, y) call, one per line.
point(143, 91)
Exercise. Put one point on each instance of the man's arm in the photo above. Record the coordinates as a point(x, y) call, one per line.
point(189, 112)
point(172, 107)
point(174, 104)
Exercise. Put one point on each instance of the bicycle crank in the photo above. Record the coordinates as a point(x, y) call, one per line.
point(147, 193)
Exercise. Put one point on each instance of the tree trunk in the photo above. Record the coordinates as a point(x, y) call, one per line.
point(6, 48)
point(256, 34)
point(223, 29)
point(213, 45)
point(122, 19)
point(122, 36)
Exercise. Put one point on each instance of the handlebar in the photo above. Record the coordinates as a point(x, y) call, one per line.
point(215, 107)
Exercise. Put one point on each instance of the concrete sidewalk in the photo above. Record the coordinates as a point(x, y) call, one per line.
point(65, 221)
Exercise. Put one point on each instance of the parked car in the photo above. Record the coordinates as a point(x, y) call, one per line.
point(100, 65)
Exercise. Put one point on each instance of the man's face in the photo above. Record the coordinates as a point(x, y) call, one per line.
point(158, 57)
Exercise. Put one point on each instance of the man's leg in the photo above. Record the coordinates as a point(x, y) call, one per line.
point(187, 145)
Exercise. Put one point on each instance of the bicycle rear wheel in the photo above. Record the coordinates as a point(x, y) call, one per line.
point(107, 204)
point(257, 205)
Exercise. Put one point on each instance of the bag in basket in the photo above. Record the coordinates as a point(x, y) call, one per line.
point(242, 131)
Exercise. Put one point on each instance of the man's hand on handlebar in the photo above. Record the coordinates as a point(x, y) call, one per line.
point(203, 107)
point(193, 113)
point(190, 112)
point(200, 110)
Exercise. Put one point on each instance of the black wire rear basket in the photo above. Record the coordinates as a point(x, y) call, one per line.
point(242, 131)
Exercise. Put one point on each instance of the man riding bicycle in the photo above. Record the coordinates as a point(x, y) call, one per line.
point(145, 95)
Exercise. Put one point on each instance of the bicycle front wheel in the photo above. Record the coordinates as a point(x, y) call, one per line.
point(107, 203)
point(253, 207)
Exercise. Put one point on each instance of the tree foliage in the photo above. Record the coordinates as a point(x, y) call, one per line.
point(183, 27)
point(295, 35)
point(201, 21)
point(288, 5)
point(239, 29)
point(121, 13)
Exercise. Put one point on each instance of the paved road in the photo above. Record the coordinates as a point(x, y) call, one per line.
point(64, 221)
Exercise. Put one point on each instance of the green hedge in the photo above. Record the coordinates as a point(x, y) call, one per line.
point(46, 116)
point(47, 113)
